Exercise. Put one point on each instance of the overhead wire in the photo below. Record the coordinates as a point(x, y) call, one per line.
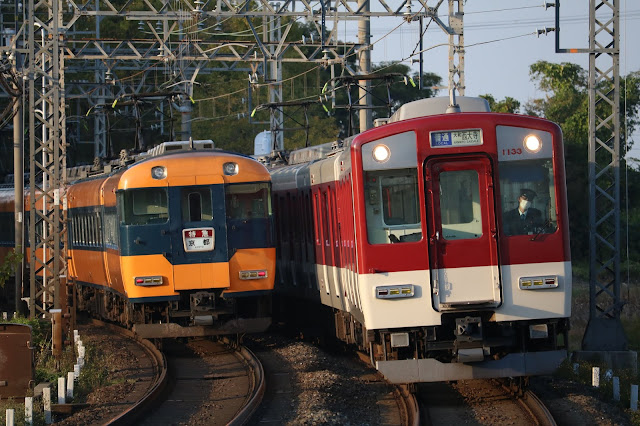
point(388, 33)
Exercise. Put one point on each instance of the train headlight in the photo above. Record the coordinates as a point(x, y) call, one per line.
point(535, 283)
point(230, 169)
point(148, 281)
point(532, 143)
point(381, 153)
point(159, 172)
point(253, 275)
point(395, 291)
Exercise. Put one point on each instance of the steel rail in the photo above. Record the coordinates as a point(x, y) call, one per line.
point(154, 392)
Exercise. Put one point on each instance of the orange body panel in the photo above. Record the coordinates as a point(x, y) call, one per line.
point(184, 167)
point(88, 266)
point(252, 259)
point(146, 266)
point(201, 276)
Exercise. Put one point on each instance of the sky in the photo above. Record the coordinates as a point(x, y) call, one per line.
point(501, 46)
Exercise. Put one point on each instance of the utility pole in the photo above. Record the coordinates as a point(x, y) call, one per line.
point(18, 174)
point(604, 331)
point(364, 55)
point(273, 72)
point(456, 46)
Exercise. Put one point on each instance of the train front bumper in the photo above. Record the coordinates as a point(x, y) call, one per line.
point(431, 370)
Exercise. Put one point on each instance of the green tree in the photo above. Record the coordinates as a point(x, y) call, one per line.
point(508, 104)
point(566, 102)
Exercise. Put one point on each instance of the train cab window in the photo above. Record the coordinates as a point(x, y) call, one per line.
point(460, 212)
point(392, 210)
point(248, 201)
point(528, 197)
point(196, 204)
point(143, 206)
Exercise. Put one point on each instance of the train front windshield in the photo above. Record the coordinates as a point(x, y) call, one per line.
point(393, 213)
point(144, 206)
point(248, 201)
point(528, 197)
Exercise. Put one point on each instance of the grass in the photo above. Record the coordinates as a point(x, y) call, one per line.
point(630, 319)
point(47, 369)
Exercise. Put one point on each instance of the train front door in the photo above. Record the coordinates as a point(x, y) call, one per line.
point(463, 249)
point(199, 237)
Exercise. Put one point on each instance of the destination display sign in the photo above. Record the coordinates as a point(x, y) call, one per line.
point(455, 138)
point(198, 239)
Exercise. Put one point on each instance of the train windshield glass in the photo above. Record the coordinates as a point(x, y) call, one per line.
point(196, 204)
point(144, 206)
point(460, 211)
point(248, 201)
point(528, 197)
point(393, 213)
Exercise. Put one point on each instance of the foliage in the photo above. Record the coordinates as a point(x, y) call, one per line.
point(508, 104)
point(567, 103)
point(8, 267)
point(40, 332)
point(95, 373)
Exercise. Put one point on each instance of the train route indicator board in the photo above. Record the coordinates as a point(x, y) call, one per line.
point(455, 138)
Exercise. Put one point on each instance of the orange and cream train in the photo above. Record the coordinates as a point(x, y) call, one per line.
point(177, 243)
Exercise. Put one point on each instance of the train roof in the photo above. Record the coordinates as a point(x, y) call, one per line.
point(126, 160)
point(435, 106)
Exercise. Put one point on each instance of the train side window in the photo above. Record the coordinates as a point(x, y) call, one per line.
point(535, 178)
point(110, 228)
point(392, 209)
point(144, 206)
point(460, 212)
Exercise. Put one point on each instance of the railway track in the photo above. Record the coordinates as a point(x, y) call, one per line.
point(198, 381)
point(480, 402)
point(210, 383)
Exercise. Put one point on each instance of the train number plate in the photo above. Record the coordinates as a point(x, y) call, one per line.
point(455, 138)
point(198, 239)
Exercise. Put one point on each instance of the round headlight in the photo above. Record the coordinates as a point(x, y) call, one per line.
point(230, 169)
point(381, 153)
point(158, 172)
point(532, 143)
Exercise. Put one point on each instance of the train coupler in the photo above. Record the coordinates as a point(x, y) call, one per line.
point(469, 340)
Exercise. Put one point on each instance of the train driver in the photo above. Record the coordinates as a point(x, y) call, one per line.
point(524, 219)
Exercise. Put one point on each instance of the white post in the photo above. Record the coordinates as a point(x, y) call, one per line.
point(76, 371)
point(576, 368)
point(62, 390)
point(634, 397)
point(46, 401)
point(70, 383)
point(76, 336)
point(28, 410)
point(4, 316)
point(608, 375)
point(616, 388)
point(595, 377)
point(9, 416)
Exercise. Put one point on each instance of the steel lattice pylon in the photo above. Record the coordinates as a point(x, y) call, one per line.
point(604, 331)
point(45, 65)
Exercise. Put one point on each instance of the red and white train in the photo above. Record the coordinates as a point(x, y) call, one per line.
point(437, 242)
